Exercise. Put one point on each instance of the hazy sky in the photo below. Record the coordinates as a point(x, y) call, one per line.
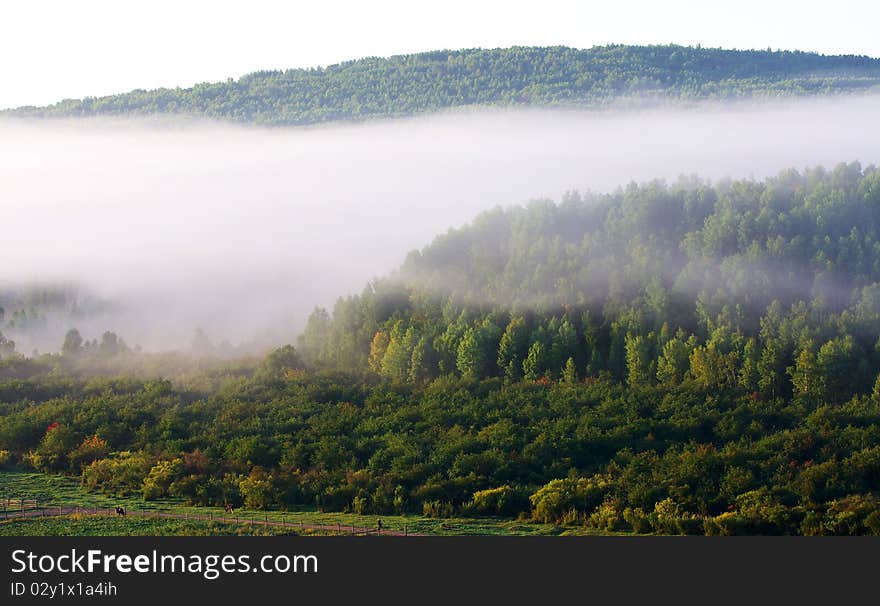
point(54, 49)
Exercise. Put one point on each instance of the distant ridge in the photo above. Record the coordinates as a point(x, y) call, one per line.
point(406, 85)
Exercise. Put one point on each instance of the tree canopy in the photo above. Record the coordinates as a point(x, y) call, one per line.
point(773, 286)
point(406, 85)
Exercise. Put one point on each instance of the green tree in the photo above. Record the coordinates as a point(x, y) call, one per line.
point(713, 369)
point(535, 364)
point(257, 489)
point(446, 344)
point(805, 376)
point(876, 393)
point(423, 362)
point(52, 454)
point(749, 374)
point(398, 354)
point(378, 348)
point(473, 354)
point(564, 345)
point(838, 365)
point(72, 343)
point(158, 481)
point(314, 340)
point(616, 361)
point(569, 373)
point(674, 362)
point(283, 360)
point(771, 368)
point(594, 366)
point(513, 348)
point(640, 365)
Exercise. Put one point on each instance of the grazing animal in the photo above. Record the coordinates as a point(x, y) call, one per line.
point(120, 511)
point(229, 508)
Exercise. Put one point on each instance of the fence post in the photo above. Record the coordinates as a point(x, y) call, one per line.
point(404, 531)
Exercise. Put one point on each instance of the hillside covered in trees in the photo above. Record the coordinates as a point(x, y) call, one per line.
point(520, 76)
point(684, 358)
point(727, 285)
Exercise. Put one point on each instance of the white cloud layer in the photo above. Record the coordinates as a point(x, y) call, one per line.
point(241, 231)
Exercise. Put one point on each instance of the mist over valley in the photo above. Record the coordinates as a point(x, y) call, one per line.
point(174, 225)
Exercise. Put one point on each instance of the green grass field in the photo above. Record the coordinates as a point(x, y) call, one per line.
point(103, 525)
point(60, 490)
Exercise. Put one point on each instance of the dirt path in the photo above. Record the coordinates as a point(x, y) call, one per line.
point(340, 529)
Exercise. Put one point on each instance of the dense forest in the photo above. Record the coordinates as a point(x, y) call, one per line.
point(727, 284)
point(685, 358)
point(525, 76)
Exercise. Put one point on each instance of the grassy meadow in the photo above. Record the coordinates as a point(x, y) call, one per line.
point(64, 491)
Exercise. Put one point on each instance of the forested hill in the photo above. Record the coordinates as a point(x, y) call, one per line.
point(558, 76)
point(686, 358)
point(768, 287)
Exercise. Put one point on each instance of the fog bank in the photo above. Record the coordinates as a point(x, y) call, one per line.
point(242, 231)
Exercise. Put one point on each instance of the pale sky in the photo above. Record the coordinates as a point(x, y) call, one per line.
point(55, 49)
